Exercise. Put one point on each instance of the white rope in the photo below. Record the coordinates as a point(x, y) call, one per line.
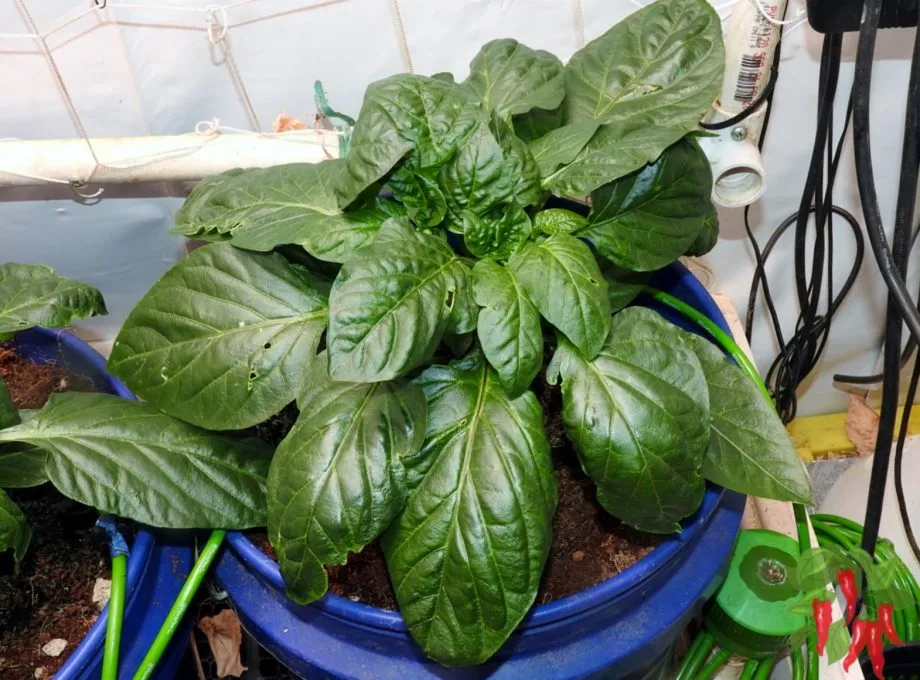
point(777, 22)
point(578, 18)
point(401, 36)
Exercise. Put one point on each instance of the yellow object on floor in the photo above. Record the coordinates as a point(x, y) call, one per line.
point(818, 437)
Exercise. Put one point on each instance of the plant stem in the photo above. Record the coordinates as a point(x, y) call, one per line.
point(116, 614)
point(184, 599)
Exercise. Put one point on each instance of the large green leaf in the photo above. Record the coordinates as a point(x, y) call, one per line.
point(562, 145)
point(418, 190)
point(9, 415)
point(407, 113)
point(262, 208)
point(708, 237)
point(558, 221)
point(534, 124)
point(477, 178)
point(749, 449)
point(639, 417)
point(623, 285)
point(467, 553)
point(21, 466)
point(496, 237)
point(224, 339)
point(520, 164)
point(337, 480)
point(33, 295)
point(509, 327)
point(512, 78)
point(391, 304)
point(648, 81)
point(15, 533)
point(649, 218)
point(561, 276)
point(126, 458)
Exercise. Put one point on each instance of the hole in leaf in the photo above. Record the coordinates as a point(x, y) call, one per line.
point(253, 376)
point(267, 345)
point(450, 299)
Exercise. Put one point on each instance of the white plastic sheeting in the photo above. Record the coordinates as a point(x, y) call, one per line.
point(134, 70)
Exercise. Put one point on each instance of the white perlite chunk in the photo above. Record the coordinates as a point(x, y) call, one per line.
point(102, 588)
point(55, 647)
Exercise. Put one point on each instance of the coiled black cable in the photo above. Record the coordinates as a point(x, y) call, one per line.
point(799, 355)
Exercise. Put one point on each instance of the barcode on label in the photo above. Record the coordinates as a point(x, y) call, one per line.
point(748, 76)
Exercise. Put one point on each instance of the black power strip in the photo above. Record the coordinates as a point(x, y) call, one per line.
point(841, 16)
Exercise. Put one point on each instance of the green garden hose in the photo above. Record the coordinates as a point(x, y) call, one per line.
point(180, 606)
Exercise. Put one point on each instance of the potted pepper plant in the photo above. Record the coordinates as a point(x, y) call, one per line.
point(411, 299)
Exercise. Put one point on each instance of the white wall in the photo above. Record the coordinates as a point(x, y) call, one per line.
point(134, 71)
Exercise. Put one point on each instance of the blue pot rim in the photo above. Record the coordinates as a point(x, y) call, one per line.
point(143, 545)
point(542, 614)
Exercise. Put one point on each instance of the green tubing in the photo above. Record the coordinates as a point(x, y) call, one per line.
point(747, 673)
point(696, 656)
point(798, 664)
point(720, 336)
point(715, 665)
point(184, 599)
point(836, 519)
point(116, 615)
point(814, 663)
point(764, 669)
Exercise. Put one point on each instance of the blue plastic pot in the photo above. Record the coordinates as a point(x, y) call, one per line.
point(158, 564)
point(621, 628)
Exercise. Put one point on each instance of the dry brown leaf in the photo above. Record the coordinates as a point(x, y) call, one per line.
point(224, 637)
point(285, 123)
point(862, 426)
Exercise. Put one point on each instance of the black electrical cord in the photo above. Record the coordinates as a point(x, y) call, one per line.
point(906, 354)
point(864, 173)
point(910, 161)
point(764, 98)
point(799, 355)
point(892, 261)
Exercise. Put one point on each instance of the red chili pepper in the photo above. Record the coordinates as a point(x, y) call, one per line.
point(885, 613)
point(860, 637)
point(823, 616)
point(875, 644)
point(847, 580)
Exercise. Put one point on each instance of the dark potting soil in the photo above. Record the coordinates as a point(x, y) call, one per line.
point(51, 596)
point(589, 546)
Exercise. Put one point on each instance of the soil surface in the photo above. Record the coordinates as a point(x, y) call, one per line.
point(589, 546)
point(51, 596)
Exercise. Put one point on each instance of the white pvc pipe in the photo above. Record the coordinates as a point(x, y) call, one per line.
point(189, 157)
point(738, 172)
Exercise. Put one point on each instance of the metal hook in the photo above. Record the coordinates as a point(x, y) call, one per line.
point(76, 185)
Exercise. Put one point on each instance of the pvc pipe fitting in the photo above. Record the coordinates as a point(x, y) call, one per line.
point(738, 174)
